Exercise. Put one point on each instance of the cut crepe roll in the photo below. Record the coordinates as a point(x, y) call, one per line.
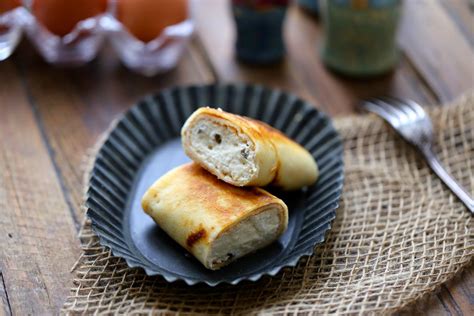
point(245, 152)
point(213, 220)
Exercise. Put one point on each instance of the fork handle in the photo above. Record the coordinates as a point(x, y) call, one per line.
point(448, 180)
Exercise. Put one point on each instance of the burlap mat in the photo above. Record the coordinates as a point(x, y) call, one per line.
point(398, 235)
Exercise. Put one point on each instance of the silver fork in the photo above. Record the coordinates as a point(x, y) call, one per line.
point(410, 120)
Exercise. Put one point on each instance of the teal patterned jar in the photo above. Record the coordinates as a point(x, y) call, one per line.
point(360, 36)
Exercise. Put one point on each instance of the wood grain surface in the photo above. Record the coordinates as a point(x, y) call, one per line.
point(39, 242)
point(4, 302)
point(50, 117)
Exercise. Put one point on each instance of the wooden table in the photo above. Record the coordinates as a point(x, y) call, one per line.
point(49, 117)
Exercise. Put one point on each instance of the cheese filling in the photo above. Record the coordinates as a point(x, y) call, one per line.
point(247, 236)
point(221, 148)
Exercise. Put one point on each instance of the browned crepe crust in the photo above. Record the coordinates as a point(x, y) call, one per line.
point(195, 208)
point(280, 161)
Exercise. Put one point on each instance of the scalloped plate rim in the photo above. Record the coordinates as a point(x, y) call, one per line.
point(254, 276)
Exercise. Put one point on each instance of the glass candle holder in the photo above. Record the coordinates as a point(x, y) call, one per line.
point(360, 36)
point(259, 31)
point(76, 47)
point(150, 58)
point(11, 31)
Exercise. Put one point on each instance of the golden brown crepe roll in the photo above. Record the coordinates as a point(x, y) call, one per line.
point(215, 221)
point(245, 152)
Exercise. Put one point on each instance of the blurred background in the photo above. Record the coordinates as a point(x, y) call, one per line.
point(70, 68)
point(332, 53)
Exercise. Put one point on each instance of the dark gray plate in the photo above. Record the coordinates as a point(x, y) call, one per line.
point(145, 144)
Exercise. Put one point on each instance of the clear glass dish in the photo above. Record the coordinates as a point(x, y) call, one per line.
point(11, 30)
point(151, 58)
point(83, 43)
point(78, 47)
